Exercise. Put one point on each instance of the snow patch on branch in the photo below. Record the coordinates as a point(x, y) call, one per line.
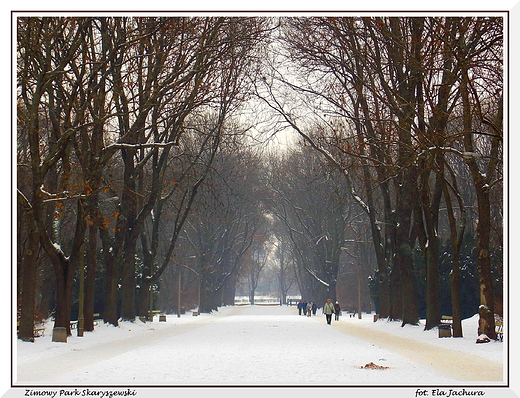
point(122, 145)
point(57, 246)
point(310, 271)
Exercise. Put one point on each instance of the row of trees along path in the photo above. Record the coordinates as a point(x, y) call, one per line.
point(147, 158)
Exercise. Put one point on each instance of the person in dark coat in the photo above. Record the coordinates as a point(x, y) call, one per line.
point(337, 311)
point(300, 307)
point(314, 308)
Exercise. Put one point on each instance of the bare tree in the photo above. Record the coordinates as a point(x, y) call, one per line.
point(47, 87)
point(227, 222)
point(115, 86)
point(482, 100)
point(385, 91)
point(284, 267)
point(309, 199)
point(255, 265)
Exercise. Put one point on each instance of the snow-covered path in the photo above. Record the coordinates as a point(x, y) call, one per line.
point(251, 345)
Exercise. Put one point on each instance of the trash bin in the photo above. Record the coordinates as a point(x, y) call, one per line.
point(444, 330)
point(162, 318)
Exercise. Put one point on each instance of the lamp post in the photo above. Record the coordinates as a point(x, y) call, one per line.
point(150, 306)
point(179, 297)
point(179, 294)
point(81, 317)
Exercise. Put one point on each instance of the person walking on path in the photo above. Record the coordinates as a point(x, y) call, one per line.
point(309, 308)
point(314, 308)
point(300, 307)
point(337, 311)
point(328, 310)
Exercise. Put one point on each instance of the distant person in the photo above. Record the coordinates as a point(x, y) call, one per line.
point(304, 307)
point(309, 308)
point(337, 311)
point(314, 308)
point(300, 307)
point(328, 310)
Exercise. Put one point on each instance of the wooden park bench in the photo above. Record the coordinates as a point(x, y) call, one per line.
point(153, 313)
point(499, 327)
point(96, 316)
point(39, 329)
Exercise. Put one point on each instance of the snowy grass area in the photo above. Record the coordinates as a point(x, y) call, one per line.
point(103, 333)
point(494, 350)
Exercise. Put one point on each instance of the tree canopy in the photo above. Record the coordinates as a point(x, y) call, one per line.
point(147, 159)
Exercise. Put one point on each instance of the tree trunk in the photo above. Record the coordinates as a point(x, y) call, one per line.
point(359, 289)
point(433, 309)
point(64, 280)
point(143, 299)
point(110, 313)
point(456, 240)
point(429, 212)
point(404, 259)
point(65, 269)
point(487, 300)
point(128, 309)
point(481, 183)
point(377, 238)
point(396, 288)
point(229, 293)
point(205, 293)
point(29, 261)
point(455, 296)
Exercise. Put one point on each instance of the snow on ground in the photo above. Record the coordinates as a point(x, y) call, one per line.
point(493, 351)
point(246, 345)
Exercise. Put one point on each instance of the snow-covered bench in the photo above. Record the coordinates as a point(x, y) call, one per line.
point(96, 316)
point(38, 331)
point(445, 326)
point(499, 326)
